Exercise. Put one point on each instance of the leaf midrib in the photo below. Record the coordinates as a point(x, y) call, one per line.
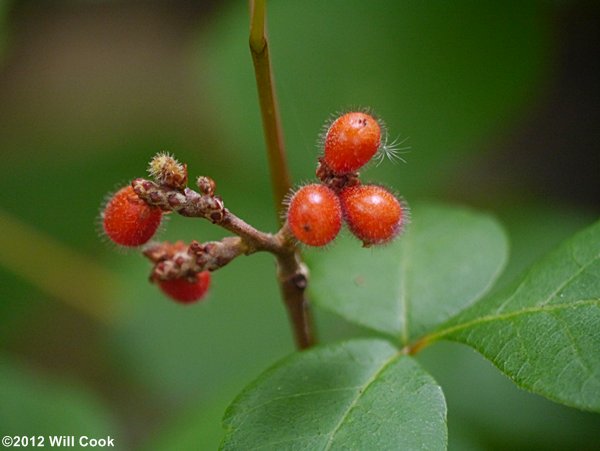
point(359, 394)
point(298, 395)
point(532, 274)
point(506, 316)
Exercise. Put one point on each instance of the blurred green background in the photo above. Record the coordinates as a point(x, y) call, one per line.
point(498, 100)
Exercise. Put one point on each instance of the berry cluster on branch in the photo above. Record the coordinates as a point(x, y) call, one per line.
point(314, 216)
point(373, 214)
point(133, 215)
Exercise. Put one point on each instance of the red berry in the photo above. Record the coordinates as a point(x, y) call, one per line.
point(128, 220)
point(373, 214)
point(351, 142)
point(314, 215)
point(185, 291)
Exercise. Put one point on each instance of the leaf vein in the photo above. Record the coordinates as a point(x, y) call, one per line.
point(582, 267)
point(523, 347)
point(573, 342)
point(507, 316)
point(299, 395)
point(568, 280)
point(352, 405)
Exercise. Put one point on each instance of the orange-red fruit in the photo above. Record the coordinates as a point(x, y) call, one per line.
point(351, 142)
point(373, 214)
point(128, 220)
point(185, 291)
point(315, 215)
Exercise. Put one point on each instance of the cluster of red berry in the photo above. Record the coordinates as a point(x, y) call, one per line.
point(373, 214)
point(315, 213)
point(129, 221)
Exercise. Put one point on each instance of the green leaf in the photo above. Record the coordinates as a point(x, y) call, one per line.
point(446, 260)
point(543, 331)
point(361, 394)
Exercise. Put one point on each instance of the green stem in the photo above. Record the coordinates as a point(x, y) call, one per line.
point(417, 346)
point(259, 48)
point(292, 274)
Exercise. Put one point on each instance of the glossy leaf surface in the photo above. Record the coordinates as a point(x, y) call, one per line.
point(543, 331)
point(361, 394)
point(445, 261)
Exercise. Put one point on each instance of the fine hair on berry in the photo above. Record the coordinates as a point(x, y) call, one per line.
point(373, 214)
point(187, 290)
point(129, 221)
point(314, 215)
point(351, 141)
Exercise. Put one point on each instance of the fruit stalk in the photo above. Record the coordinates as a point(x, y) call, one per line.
point(292, 274)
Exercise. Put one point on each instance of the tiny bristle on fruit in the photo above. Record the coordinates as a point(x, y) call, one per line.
point(373, 214)
point(351, 141)
point(129, 221)
point(314, 215)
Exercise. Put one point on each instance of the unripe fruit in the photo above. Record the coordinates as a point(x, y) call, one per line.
point(167, 171)
point(373, 214)
point(184, 290)
point(351, 142)
point(314, 215)
point(128, 220)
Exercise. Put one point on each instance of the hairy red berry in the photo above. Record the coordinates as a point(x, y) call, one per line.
point(351, 142)
point(128, 220)
point(315, 215)
point(184, 290)
point(373, 214)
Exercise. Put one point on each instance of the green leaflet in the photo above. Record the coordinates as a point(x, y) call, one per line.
point(445, 261)
point(544, 331)
point(361, 394)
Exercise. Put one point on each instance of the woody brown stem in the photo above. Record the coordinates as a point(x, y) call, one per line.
point(292, 274)
point(178, 260)
point(193, 204)
point(293, 278)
